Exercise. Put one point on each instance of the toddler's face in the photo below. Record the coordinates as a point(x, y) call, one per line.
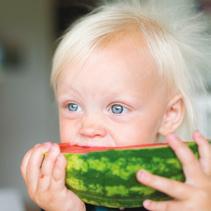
point(115, 99)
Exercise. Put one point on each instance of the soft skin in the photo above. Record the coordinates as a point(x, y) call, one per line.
point(44, 179)
point(116, 98)
point(194, 194)
point(120, 76)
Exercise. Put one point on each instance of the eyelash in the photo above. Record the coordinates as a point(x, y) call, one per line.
point(120, 109)
point(73, 104)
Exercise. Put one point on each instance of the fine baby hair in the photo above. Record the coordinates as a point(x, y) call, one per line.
point(175, 34)
point(127, 74)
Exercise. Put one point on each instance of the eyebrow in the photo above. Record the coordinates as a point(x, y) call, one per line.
point(69, 91)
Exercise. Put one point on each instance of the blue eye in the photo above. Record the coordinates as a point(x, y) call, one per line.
point(118, 109)
point(73, 107)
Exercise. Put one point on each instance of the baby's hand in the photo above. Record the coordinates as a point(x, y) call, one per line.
point(195, 193)
point(43, 170)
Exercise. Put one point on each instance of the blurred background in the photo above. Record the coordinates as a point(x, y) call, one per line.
point(29, 32)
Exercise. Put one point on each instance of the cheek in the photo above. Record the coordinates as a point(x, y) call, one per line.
point(66, 130)
point(141, 130)
point(133, 133)
point(143, 134)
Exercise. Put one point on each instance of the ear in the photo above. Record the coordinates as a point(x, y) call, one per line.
point(173, 116)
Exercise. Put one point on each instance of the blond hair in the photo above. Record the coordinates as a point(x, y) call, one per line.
point(175, 33)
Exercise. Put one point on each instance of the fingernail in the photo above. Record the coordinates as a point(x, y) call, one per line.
point(36, 146)
point(197, 134)
point(143, 175)
point(172, 137)
point(55, 148)
point(48, 144)
point(147, 203)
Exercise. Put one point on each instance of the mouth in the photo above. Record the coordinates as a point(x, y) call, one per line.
point(74, 148)
point(86, 143)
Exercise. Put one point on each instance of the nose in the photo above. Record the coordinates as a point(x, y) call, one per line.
point(92, 128)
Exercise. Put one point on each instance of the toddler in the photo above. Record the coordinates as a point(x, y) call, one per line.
point(125, 75)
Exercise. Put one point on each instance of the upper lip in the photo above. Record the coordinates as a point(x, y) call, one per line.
point(93, 143)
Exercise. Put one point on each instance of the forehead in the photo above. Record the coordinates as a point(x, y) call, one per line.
point(122, 61)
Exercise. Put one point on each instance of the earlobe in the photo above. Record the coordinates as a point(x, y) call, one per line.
point(173, 115)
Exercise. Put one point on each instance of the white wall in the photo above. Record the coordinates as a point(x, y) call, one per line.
point(27, 111)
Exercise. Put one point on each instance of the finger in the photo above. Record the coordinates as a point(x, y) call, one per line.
point(160, 205)
point(47, 167)
point(59, 172)
point(190, 164)
point(59, 169)
point(24, 163)
point(204, 151)
point(33, 167)
point(172, 188)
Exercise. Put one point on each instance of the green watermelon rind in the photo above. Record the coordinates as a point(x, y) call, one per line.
point(103, 178)
point(117, 202)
